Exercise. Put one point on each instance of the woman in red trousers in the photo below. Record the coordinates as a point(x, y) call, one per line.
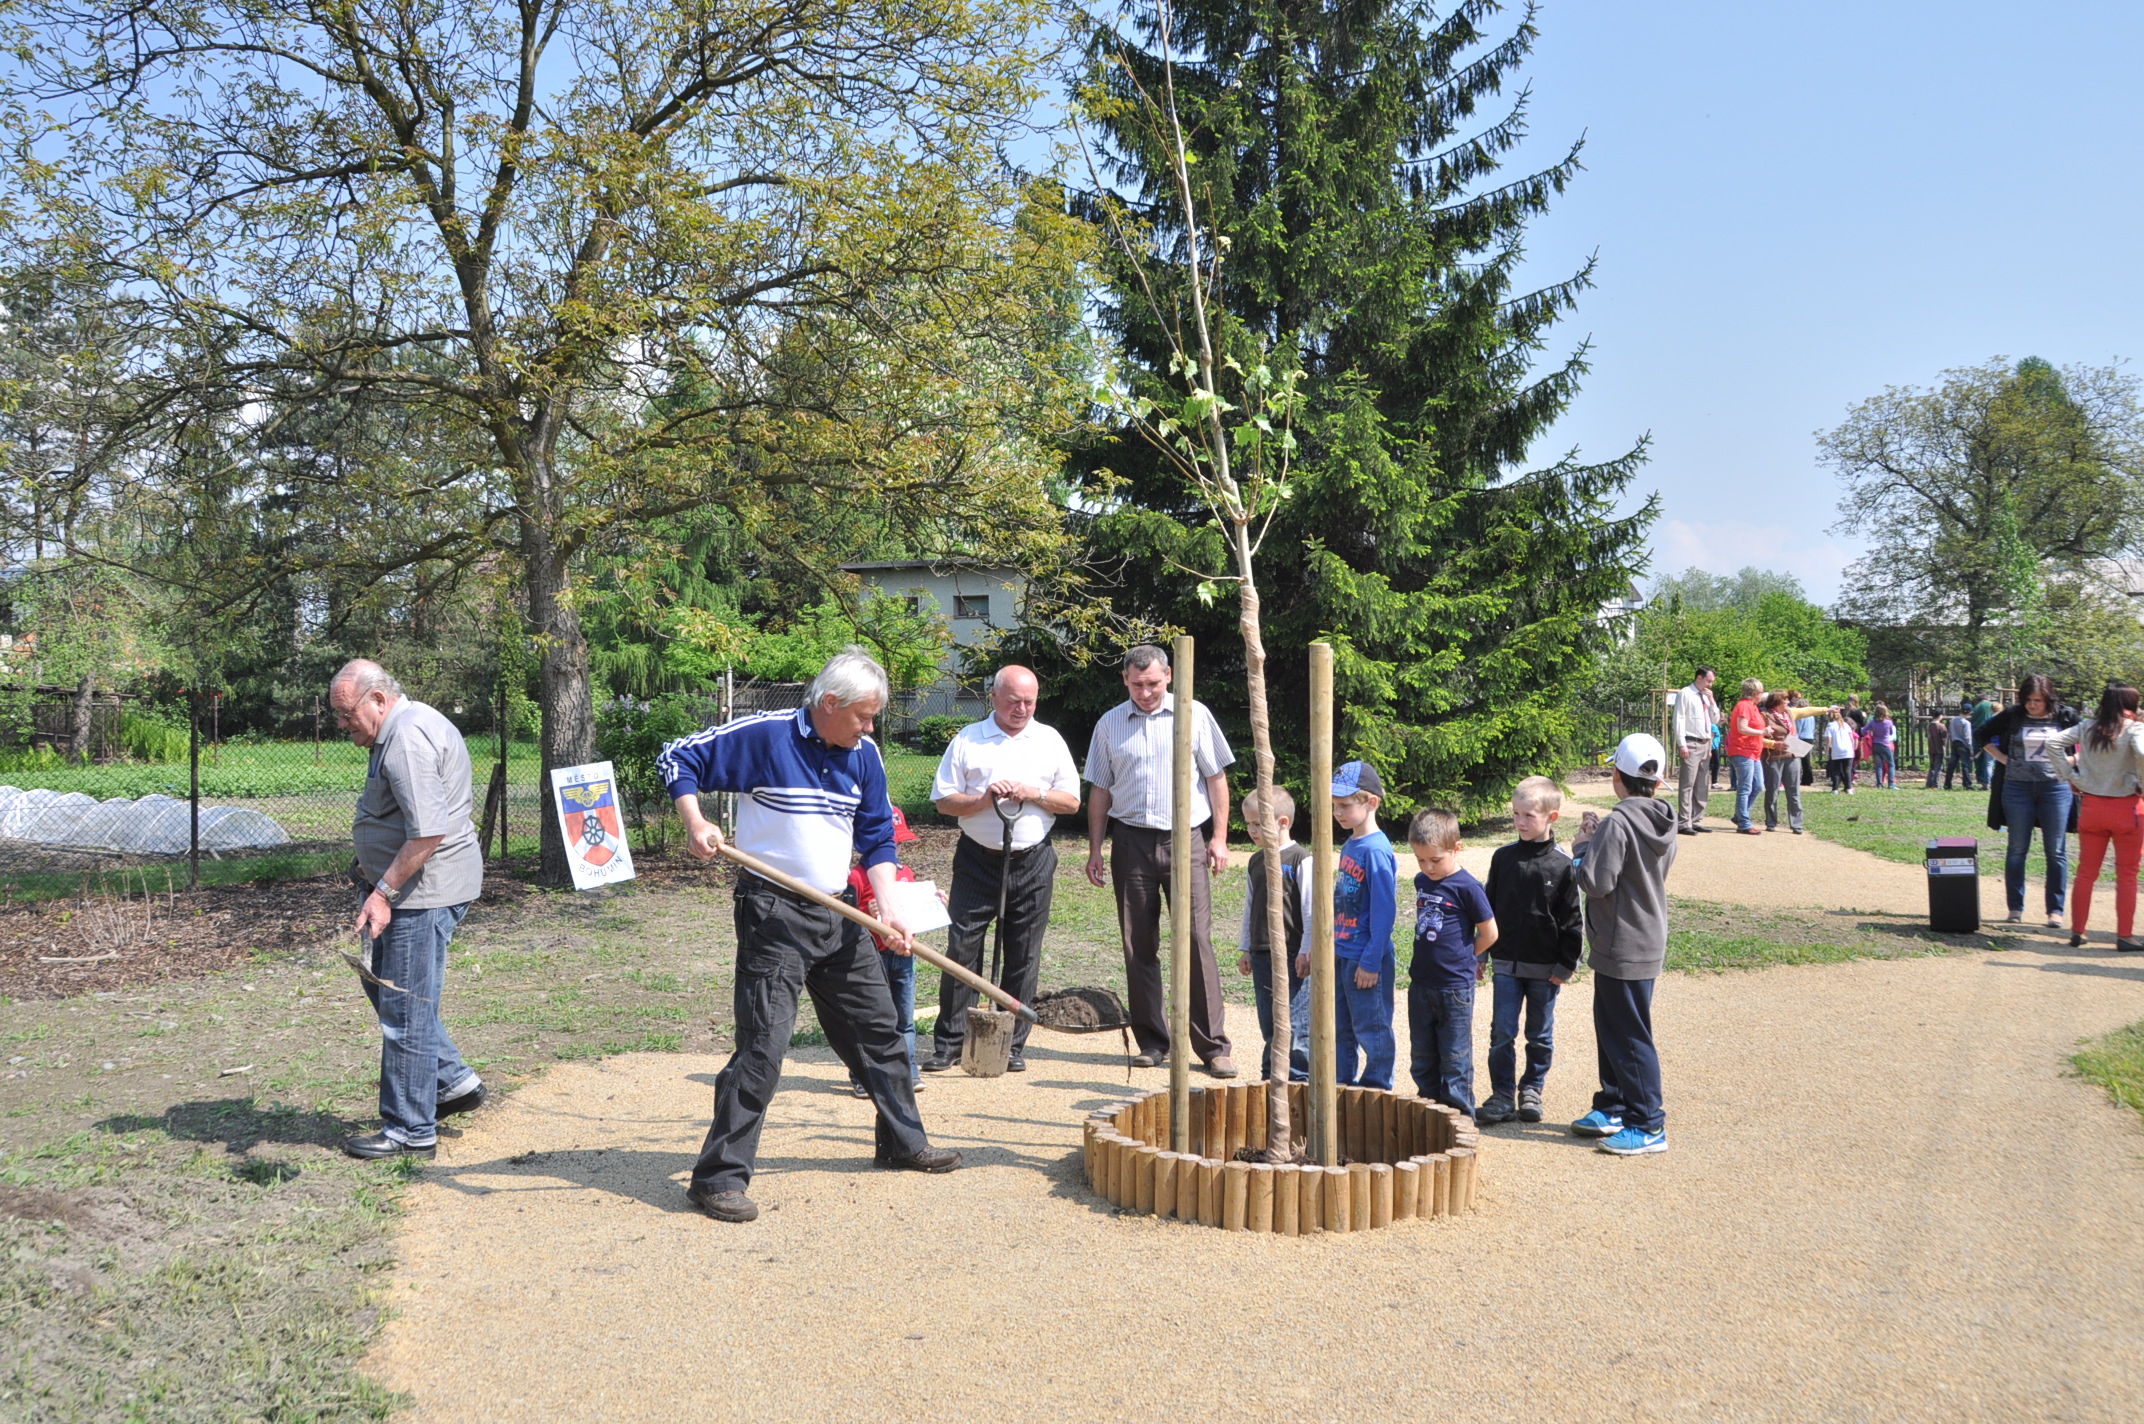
point(2109, 772)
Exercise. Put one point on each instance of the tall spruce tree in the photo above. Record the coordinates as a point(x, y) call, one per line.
point(1370, 227)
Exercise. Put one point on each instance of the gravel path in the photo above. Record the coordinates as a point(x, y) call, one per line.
point(1885, 1202)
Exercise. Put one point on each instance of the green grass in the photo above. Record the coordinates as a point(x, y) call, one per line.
point(2116, 1063)
point(1897, 826)
point(1703, 936)
point(250, 769)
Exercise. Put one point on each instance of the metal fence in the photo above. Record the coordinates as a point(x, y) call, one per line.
point(1602, 726)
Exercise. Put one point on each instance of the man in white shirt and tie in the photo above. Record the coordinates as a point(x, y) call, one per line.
point(1007, 755)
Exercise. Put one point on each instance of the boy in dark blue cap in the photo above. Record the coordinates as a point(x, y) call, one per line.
point(1365, 904)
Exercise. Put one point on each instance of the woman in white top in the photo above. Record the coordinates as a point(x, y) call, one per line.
point(2108, 772)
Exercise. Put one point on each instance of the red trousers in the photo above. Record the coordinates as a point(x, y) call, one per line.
point(2101, 819)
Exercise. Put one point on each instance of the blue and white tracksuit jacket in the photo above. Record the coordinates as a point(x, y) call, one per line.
point(806, 804)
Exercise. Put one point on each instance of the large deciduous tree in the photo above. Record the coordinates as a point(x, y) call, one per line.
point(1982, 500)
point(1376, 239)
point(617, 259)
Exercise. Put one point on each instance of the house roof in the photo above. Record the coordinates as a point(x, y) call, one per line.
point(902, 565)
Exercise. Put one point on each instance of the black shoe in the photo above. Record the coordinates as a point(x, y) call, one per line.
point(1702, 830)
point(1494, 1111)
point(930, 1159)
point(1149, 1060)
point(378, 1145)
point(470, 1101)
point(724, 1206)
point(939, 1062)
point(2076, 941)
point(2129, 946)
point(858, 1090)
point(1016, 1064)
point(1685, 831)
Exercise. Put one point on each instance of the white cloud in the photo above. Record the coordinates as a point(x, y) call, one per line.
point(1734, 544)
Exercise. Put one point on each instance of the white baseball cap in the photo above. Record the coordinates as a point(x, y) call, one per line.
point(1640, 754)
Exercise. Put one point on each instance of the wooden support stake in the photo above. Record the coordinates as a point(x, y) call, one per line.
point(1441, 1187)
point(1235, 1195)
point(1358, 1195)
point(1406, 1189)
point(1161, 1120)
point(1195, 1134)
point(1380, 1194)
point(1143, 1165)
point(1258, 1210)
point(1388, 1122)
point(1254, 1130)
point(1462, 1180)
point(1324, 865)
point(1187, 1189)
point(1238, 1111)
point(1165, 1183)
point(1180, 843)
point(1086, 1150)
point(1210, 1174)
point(1339, 1200)
point(1298, 1095)
point(1280, 1200)
point(1105, 1183)
point(1310, 1200)
point(1351, 1115)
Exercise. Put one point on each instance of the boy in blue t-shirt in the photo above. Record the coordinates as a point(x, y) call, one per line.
point(1365, 905)
point(1454, 929)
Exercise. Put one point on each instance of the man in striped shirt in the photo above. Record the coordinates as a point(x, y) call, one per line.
point(814, 791)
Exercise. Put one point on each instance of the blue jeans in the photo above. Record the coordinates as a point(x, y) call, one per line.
point(1985, 764)
point(419, 1064)
point(1748, 774)
point(1538, 998)
point(1298, 1016)
point(1362, 1028)
point(2045, 806)
point(1440, 1023)
point(1629, 1062)
point(1958, 764)
point(1887, 767)
point(901, 983)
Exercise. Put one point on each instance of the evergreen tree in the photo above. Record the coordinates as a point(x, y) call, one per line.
point(1371, 235)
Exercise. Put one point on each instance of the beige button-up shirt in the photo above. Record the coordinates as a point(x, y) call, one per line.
point(1130, 754)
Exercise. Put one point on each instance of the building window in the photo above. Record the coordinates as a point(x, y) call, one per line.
point(971, 605)
point(913, 603)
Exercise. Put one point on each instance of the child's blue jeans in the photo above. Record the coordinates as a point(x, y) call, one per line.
point(1362, 1028)
point(1298, 1015)
point(1538, 998)
point(1440, 1025)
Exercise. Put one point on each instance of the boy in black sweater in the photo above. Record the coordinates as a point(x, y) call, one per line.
point(1533, 887)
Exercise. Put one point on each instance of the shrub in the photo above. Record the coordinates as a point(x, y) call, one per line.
point(934, 734)
point(151, 738)
point(631, 734)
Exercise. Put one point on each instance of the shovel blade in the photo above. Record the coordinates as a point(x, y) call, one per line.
point(987, 1049)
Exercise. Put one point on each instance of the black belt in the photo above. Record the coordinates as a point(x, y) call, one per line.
point(1011, 855)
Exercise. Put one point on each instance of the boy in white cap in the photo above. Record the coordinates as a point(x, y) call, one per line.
point(1623, 861)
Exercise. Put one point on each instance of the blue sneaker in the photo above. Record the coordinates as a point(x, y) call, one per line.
point(1597, 1124)
point(1635, 1142)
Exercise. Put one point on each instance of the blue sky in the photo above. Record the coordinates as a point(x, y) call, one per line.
point(1797, 206)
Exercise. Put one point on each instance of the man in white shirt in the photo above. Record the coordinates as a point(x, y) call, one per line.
point(1129, 764)
point(1010, 756)
point(1695, 716)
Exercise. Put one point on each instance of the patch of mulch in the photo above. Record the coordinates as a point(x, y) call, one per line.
point(58, 948)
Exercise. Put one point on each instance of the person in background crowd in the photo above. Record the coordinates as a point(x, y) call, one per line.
point(1130, 810)
point(1938, 745)
point(1806, 726)
point(1712, 767)
point(1697, 717)
point(2035, 791)
point(1745, 752)
point(1780, 770)
point(2109, 775)
point(1959, 761)
point(1883, 742)
point(1839, 751)
point(1011, 756)
point(1982, 713)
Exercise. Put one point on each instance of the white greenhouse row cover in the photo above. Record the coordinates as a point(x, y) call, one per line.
point(154, 825)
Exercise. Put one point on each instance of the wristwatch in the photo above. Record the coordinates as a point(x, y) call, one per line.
point(392, 897)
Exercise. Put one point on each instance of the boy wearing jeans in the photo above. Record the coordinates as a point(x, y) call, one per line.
point(1254, 954)
point(1365, 903)
point(1533, 892)
point(1453, 927)
point(1623, 861)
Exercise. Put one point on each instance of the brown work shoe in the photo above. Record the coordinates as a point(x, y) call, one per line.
point(1221, 1066)
point(723, 1206)
point(930, 1159)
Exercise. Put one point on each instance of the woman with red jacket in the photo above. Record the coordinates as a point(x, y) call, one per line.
point(1745, 752)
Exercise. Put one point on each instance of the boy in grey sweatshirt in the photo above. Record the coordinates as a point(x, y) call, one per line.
point(1623, 861)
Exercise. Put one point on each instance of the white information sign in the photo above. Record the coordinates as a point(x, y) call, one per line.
point(588, 817)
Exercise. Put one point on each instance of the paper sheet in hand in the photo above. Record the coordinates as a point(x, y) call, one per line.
point(1798, 748)
point(916, 903)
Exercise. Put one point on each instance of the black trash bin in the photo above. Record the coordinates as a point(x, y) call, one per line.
point(1954, 885)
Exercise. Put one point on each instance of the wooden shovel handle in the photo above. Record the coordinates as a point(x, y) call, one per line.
point(843, 908)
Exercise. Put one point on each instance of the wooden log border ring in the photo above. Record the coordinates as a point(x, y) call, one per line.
point(1408, 1159)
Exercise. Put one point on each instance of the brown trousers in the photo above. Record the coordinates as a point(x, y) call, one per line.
point(1139, 866)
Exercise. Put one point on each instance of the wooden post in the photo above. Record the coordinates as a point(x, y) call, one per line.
point(1254, 1117)
point(1258, 1215)
point(1381, 1197)
point(1180, 852)
point(1194, 1138)
point(1339, 1200)
point(1287, 1200)
point(1358, 1195)
point(1165, 1183)
point(1388, 1122)
point(1310, 1200)
point(1406, 1189)
point(1217, 1123)
point(1324, 1102)
point(1210, 1174)
point(1187, 1189)
point(1441, 1186)
point(1235, 1195)
point(1143, 1183)
point(1462, 1180)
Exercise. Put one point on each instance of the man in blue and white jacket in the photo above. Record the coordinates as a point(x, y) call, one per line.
point(814, 791)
